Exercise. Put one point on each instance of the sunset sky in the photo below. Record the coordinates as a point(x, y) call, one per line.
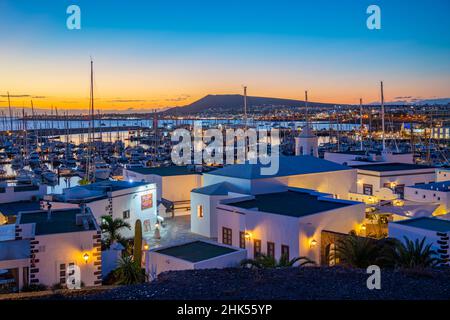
point(159, 53)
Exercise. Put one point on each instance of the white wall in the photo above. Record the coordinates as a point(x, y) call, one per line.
point(338, 183)
point(442, 174)
point(127, 199)
point(408, 178)
point(55, 249)
point(10, 196)
point(431, 196)
point(297, 233)
point(207, 226)
point(173, 188)
point(161, 263)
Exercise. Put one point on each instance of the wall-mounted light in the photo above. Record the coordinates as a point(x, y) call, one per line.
point(363, 228)
point(86, 257)
point(146, 247)
point(312, 243)
point(248, 235)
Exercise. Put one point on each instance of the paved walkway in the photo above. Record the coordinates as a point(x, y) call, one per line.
point(176, 230)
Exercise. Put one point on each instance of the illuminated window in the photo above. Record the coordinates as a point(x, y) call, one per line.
point(242, 239)
point(368, 189)
point(200, 211)
point(256, 248)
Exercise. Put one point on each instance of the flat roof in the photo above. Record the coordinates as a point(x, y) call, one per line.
point(196, 251)
point(289, 203)
point(443, 186)
point(62, 221)
point(113, 185)
point(384, 167)
point(165, 171)
point(433, 224)
point(218, 189)
point(13, 208)
point(288, 166)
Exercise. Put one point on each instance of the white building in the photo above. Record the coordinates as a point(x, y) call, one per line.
point(25, 192)
point(129, 201)
point(246, 179)
point(193, 255)
point(387, 181)
point(435, 231)
point(442, 174)
point(46, 243)
point(289, 222)
point(438, 193)
point(174, 183)
point(307, 143)
point(362, 157)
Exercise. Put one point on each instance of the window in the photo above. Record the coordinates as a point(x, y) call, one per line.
point(424, 196)
point(242, 240)
point(200, 211)
point(368, 189)
point(227, 237)
point(439, 198)
point(271, 249)
point(256, 248)
point(285, 251)
point(126, 214)
point(400, 190)
point(62, 273)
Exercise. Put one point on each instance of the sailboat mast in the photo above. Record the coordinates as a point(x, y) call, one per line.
point(361, 123)
point(245, 107)
point(382, 116)
point(10, 112)
point(306, 108)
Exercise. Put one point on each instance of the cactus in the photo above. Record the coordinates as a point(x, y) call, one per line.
point(138, 242)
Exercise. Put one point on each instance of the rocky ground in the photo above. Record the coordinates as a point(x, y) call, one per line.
point(280, 284)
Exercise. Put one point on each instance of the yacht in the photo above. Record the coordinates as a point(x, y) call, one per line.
point(25, 176)
point(102, 170)
point(50, 176)
point(34, 159)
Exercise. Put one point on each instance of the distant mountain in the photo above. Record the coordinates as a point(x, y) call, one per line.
point(235, 102)
point(411, 101)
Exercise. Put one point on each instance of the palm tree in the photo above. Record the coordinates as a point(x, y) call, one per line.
point(414, 255)
point(129, 272)
point(267, 262)
point(356, 252)
point(111, 228)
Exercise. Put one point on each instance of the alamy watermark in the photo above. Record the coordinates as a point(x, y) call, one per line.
point(374, 280)
point(374, 20)
point(239, 146)
point(73, 21)
point(73, 280)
